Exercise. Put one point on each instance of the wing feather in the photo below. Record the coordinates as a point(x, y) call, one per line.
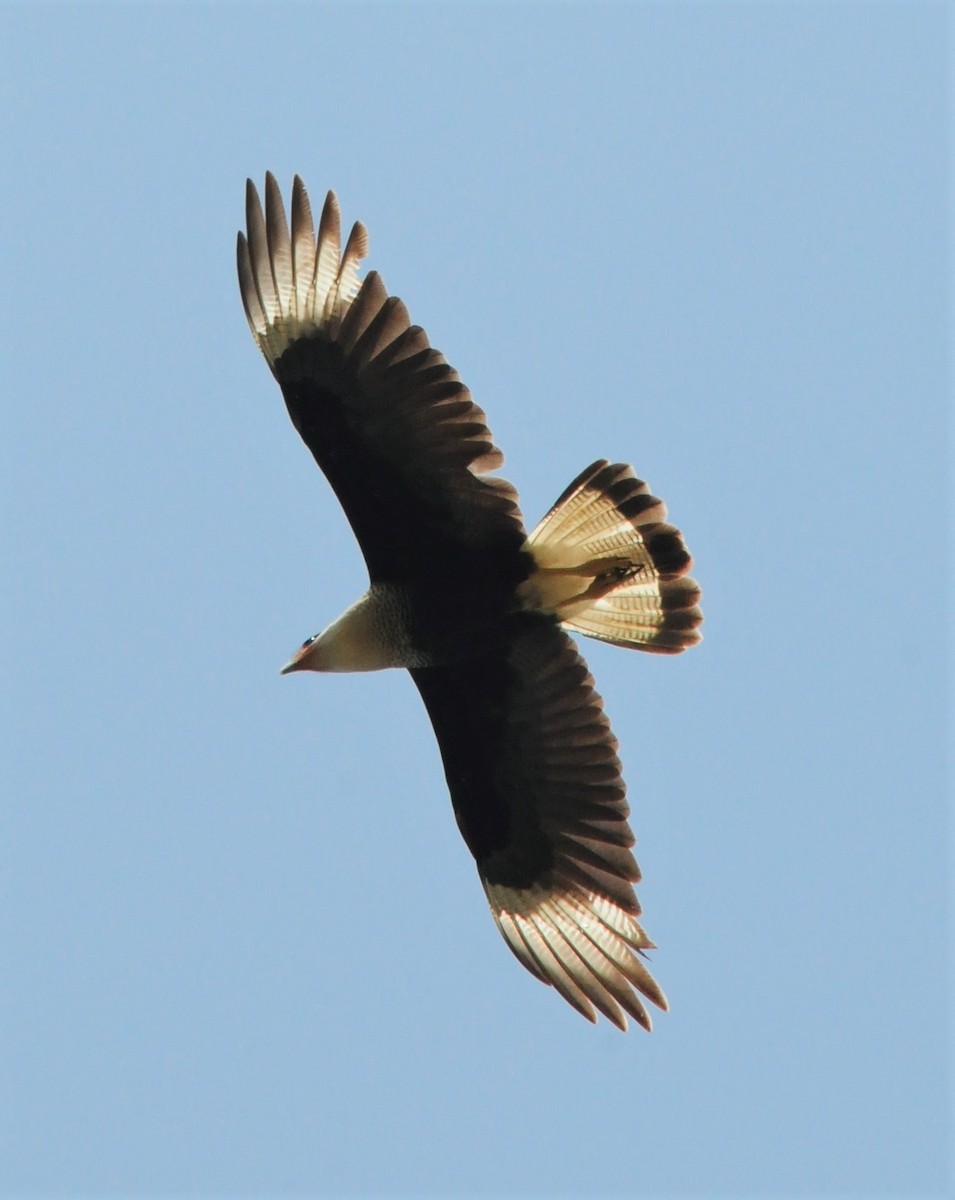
point(303, 247)
point(280, 245)
point(327, 254)
point(259, 254)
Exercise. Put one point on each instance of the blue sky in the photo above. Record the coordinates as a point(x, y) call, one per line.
point(245, 951)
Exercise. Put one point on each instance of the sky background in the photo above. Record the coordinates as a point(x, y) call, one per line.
point(244, 950)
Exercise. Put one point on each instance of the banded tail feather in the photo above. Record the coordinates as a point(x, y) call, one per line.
point(609, 566)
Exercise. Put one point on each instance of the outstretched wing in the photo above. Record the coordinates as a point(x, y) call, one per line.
point(535, 781)
point(390, 423)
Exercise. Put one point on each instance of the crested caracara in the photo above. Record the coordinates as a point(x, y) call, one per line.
point(471, 605)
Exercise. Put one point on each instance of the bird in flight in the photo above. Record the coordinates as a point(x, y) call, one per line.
point(474, 608)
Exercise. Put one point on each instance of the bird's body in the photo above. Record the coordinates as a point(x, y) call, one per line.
point(473, 607)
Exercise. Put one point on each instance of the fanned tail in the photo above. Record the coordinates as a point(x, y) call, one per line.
point(609, 566)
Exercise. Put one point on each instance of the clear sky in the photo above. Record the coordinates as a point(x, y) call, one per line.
point(244, 950)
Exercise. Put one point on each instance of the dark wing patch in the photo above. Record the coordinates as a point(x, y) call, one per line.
point(386, 417)
point(535, 781)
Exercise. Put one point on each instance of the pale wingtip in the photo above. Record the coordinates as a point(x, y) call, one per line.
point(295, 284)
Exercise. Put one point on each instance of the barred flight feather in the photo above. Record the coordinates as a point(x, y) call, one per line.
point(574, 941)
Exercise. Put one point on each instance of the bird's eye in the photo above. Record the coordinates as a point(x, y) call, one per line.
point(308, 641)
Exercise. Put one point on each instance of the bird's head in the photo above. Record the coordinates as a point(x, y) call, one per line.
point(352, 643)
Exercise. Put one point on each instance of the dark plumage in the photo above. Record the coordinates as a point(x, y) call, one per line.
point(471, 605)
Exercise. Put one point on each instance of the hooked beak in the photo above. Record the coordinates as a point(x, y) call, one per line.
point(299, 660)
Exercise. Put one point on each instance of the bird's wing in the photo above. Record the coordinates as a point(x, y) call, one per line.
point(535, 781)
point(388, 420)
